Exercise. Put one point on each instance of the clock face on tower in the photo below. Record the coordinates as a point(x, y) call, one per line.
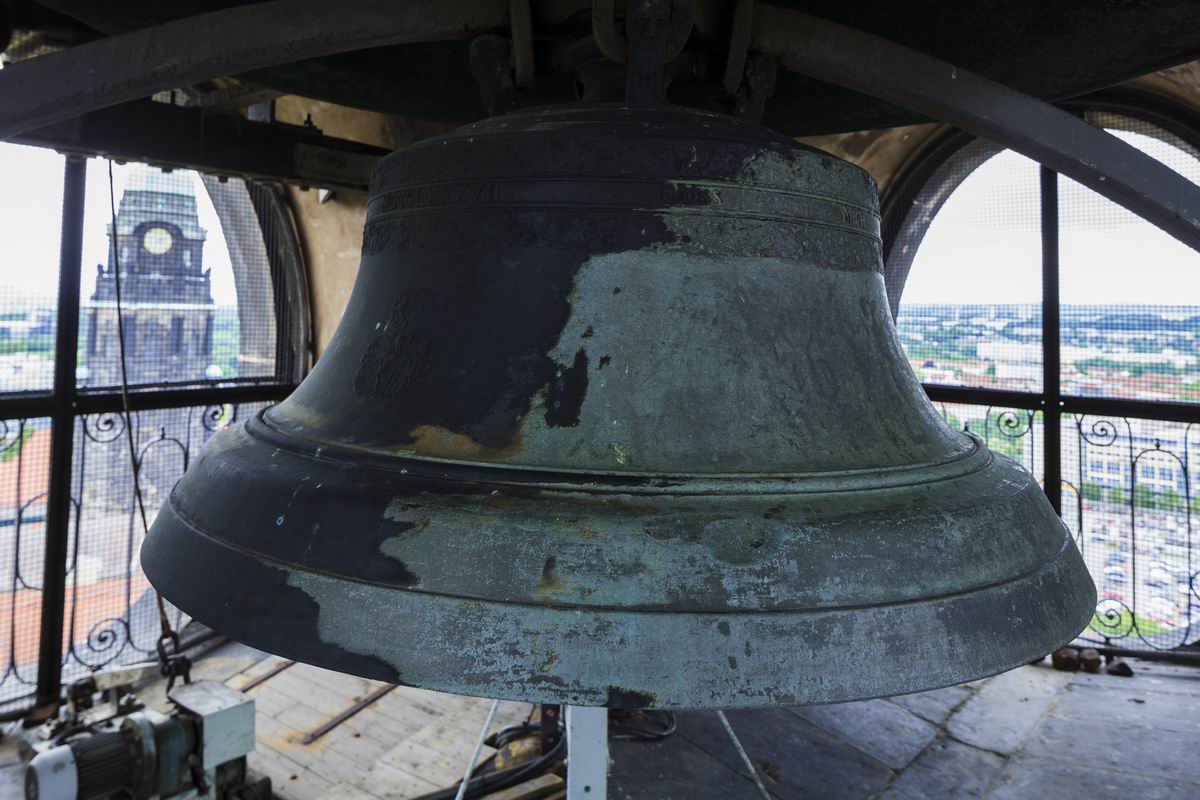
point(157, 241)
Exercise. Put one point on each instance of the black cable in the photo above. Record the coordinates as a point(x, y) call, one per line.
point(643, 726)
point(502, 779)
point(125, 412)
point(167, 631)
point(72, 730)
point(502, 738)
point(512, 733)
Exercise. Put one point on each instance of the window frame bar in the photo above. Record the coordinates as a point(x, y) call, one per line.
point(65, 403)
point(62, 438)
point(905, 190)
point(1051, 343)
point(943, 146)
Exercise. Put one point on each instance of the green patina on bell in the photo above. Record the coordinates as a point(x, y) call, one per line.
point(617, 416)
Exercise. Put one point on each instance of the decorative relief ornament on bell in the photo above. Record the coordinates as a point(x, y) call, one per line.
point(616, 416)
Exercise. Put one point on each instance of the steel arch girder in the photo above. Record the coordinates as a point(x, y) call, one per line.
point(218, 44)
point(62, 85)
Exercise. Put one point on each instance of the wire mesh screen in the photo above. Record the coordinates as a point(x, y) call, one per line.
point(201, 268)
point(1013, 432)
point(967, 268)
point(24, 476)
point(30, 227)
point(1130, 293)
point(111, 612)
point(190, 263)
point(1130, 329)
point(1130, 497)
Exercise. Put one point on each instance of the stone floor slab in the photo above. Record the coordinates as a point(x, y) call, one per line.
point(947, 770)
point(798, 758)
point(934, 706)
point(1027, 777)
point(1139, 705)
point(674, 770)
point(1128, 748)
point(888, 732)
point(1007, 708)
point(1149, 676)
point(12, 769)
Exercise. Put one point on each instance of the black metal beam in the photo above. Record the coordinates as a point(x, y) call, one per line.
point(25, 406)
point(231, 41)
point(62, 439)
point(109, 403)
point(969, 395)
point(1186, 656)
point(882, 69)
point(56, 87)
point(212, 142)
point(1068, 404)
point(1051, 340)
point(1134, 409)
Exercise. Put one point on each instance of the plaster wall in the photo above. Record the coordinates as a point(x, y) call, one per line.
point(331, 225)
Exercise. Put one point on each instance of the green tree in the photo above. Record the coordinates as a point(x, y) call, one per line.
point(15, 449)
point(1117, 495)
point(1143, 496)
point(1170, 499)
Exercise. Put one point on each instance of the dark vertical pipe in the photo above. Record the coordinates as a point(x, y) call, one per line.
point(58, 501)
point(1051, 357)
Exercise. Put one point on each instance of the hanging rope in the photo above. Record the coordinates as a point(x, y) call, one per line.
point(173, 665)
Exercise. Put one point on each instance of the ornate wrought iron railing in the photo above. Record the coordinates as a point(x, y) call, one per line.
point(20, 581)
point(72, 594)
point(110, 612)
point(1131, 498)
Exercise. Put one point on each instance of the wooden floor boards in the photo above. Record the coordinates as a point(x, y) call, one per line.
point(408, 743)
point(405, 744)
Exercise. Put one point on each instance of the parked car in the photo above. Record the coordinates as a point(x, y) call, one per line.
point(1161, 610)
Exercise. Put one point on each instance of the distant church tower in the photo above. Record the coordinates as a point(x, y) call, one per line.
point(166, 297)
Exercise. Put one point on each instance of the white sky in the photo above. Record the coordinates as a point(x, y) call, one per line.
point(31, 220)
point(984, 246)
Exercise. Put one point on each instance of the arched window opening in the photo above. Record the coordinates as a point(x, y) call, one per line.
point(207, 278)
point(1065, 330)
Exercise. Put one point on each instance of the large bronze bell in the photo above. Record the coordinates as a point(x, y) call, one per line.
point(616, 416)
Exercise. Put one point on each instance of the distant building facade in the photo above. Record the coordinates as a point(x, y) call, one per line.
point(167, 312)
point(166, 294)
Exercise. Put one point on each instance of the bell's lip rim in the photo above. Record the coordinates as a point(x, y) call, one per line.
point(567, 479)
point(1065, 571)
point(180, 518)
